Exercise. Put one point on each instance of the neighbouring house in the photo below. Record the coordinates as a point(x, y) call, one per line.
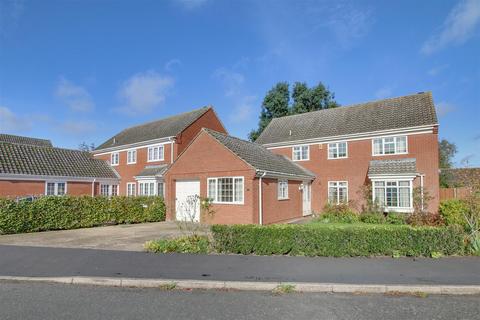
point(390, 146)
point(461, 177)
point(246, 182)
point(33, 167)
point(142, 153)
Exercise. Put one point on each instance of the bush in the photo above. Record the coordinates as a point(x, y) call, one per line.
point(372, 218)
point(337, 240)
point(338, 213)
point(188, 244)
point(452, 212)
point(67, 212)
point(425, 219)
point(396, 218)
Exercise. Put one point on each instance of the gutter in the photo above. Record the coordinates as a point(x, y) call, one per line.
point(260, 211)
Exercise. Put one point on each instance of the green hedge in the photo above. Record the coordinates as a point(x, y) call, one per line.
point(452, 212)
point(186, 244)
point(67, 212)
point(337, 240)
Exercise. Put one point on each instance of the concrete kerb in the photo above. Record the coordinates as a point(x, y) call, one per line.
point(253, 286)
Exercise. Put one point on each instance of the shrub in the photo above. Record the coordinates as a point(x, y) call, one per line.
point(338, 213)
point(187, 244)
point(337, 240)
point(452, 212)
point(425, 219)
point(67, 212)
point(396, 218)
point(372, 218)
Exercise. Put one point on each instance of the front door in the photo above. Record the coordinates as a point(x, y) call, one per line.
point(307, 198)
point(187, 200)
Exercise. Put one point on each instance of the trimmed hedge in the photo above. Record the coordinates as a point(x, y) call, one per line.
point(452, 212)
point(337, 240)
point(186, 244)
point(67, 212)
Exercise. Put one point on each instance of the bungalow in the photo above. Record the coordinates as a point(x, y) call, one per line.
point(33, 167)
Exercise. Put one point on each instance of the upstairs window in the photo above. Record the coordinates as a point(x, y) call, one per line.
point(337, 150)
point(155, 153)
point(390, 145)
point(131, 156)
point(55, 188)
point(301, 153)
point(115, 159)
point(282, 191)
point(225, 190)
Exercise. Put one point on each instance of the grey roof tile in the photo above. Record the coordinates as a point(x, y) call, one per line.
point(395, 113)
point(49, 161)
point(25, 140)
point(153, 171)
point(259, 157)
point(393, 166)
point(167, 127)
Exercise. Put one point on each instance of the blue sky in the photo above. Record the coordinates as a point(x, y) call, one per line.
point(75, 71)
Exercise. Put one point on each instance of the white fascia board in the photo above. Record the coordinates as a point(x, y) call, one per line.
point(142, 144)
point(277, 175)
point(152, 178)
point(353, 137)
point(375, 177)
point(28, 177)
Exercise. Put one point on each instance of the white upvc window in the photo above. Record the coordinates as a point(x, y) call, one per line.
point(131, 156)
point(301, 153)
point(55, 188)
point(155, 153)
point(337, 150)
point(282, 189)
point(108, 190)
point(389, 145)
point(394, 195)
point(131, 189)
point(226, 190)
point(161, 189)
point(115, 159)
point(337, 192)
point(151, 188)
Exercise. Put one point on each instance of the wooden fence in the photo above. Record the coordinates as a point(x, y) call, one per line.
point(454, 193)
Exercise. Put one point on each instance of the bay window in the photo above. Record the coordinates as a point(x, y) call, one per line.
point(337, 192)
point(225, 190)
point(389, 145)
point(393, 194)
point(151, 188)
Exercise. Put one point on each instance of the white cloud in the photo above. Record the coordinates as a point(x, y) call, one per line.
point(143, 92)
point(10, 122)
point(437, 70)
point(191, 4)
point(444, 108)
point(383, 93)
point(243, 110)
point(232, 80)
point(74, 96)
point(171, 64)
point(77, 128)
point(457, 28)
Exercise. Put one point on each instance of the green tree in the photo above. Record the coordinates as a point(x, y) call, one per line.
point(304, 99)
point(447, 151)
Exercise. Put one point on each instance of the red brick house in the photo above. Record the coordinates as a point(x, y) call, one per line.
point(390, 145)
point(142, 153)
point(33, 167)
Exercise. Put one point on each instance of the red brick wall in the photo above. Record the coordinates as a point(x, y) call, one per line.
point(20, 188)
point(354, 169)
point(275, 210)
point(207, 158)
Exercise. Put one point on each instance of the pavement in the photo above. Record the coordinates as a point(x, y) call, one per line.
point(129, 237)
point(47, 301)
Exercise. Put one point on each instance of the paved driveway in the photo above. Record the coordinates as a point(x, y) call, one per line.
point(129, 237)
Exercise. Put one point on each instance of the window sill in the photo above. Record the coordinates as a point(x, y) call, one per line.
point(337, 158)
point(283, 199)
point(229, 203)
point(390, 154)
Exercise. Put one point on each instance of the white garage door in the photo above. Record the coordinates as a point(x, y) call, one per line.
point(187, 200)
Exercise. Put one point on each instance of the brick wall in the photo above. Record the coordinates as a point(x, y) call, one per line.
point(275, 210)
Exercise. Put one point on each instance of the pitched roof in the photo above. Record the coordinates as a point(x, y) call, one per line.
point(395, 113)
point(25, 140)
point(49, 161)
point(152, 171)
point(393, 166)
point(259, 157)
point(162, 128)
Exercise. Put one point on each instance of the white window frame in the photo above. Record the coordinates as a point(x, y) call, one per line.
point(383, 145)
point(397, 180)
point(131, 189)
point(151, 153)
point(55, 188)
point(282, 189)
point(338, 193)
point(336, 146)
point(109, 190)
point(132, 156)
point(217, 189)
point(301, 152)
point(116, 156)
point(152, 192)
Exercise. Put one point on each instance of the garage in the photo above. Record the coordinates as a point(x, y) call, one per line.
point(187, 200)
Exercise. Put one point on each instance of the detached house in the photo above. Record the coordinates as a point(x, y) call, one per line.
point(390, 146)
point(141, 154)
point(33, 167)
